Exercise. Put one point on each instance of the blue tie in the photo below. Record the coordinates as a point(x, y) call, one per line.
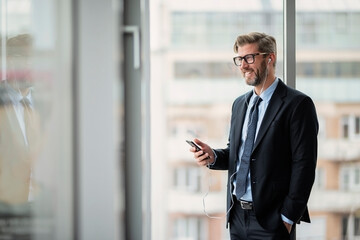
point(243, 171)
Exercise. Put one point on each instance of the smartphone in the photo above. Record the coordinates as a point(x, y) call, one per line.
point(197, 147)
point(191, 143)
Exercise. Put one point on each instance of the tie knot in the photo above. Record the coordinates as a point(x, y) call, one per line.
point(25, 102)
point(257, 100)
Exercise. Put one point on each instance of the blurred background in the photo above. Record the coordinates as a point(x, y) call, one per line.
point(194, 83)
point(117, 86)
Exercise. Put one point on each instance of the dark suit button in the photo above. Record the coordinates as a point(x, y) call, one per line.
point(254, 182)
point(253, 159)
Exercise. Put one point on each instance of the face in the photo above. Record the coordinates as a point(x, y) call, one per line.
point(254, 73)
point(19, 71)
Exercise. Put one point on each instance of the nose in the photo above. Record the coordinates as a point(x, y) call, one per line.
point(244, 64)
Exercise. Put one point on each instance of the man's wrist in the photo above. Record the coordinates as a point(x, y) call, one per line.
point(286, 220)
point(215, 157)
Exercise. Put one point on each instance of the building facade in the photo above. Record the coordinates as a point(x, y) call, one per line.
point(195, 82)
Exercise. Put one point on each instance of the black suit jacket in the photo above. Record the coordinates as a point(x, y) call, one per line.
point(284, 157)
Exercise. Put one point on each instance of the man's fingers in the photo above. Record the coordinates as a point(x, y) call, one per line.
point(198, 142)
point(202, 159)
point(193, 149)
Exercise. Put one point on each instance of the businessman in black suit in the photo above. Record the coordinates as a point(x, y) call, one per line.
point(272, 149)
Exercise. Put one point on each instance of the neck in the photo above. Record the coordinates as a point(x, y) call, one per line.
point(25, 91)
point(265, 84)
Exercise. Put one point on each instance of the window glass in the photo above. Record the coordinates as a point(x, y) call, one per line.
point(35, 120)
point(194, 83)
point(327, 39)
point(357, 226)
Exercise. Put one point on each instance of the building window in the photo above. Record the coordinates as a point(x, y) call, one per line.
point(350, 178)
point(187, 179)
point(204, 70)
point(345, 127)
point(350, 127)
point(322, 127)
point(345, 180)
point(344, 224)
point(320, 178)
point(357, 226)
point(357, 177)
point(199, 30)
point(357, 125)
point(341, 23)
point(328, 69)
point(189, 228)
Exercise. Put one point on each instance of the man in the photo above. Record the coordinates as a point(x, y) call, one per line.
point(272, 149)
point(19, 126)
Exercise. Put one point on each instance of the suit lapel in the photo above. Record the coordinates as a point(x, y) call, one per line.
point(274, 106)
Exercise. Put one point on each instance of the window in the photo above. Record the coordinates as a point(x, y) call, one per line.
point(320, 178)
point(322, 127)
point(345, 127)
point(350, 177)
point(308, 31)
point(204, 70)
point(341, 23)
point(35, 128)
point(357, 177)
point(194, 47)
point(194, 83)
point(187, 178)
point(335, 69)
point(357, 226)
point(217, 30)
point(345, 183)
point(190, 228)
point(350, 126)
point(344, 227)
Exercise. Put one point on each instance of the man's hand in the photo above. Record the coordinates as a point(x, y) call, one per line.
point(205, 156)
point(288, 226)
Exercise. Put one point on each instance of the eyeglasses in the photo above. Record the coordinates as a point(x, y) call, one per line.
point(249, 58)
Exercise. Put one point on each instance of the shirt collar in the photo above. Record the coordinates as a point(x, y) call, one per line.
point(267, 94)
point(15, 96)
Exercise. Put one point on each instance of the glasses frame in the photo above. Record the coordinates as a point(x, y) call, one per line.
point(245, 58)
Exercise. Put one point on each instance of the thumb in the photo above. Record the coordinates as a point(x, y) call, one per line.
point(198, 142)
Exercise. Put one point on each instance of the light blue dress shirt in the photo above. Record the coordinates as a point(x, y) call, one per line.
point(265, 96)
point(15, 98)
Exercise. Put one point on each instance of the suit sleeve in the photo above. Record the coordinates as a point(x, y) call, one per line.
point(303, 142)
point(222, 159)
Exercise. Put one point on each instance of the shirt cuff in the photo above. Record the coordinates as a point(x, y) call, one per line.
point(285, 219)
point(215, 157)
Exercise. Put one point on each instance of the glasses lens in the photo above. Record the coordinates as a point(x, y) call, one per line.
point(249, 58)
point(237, 61)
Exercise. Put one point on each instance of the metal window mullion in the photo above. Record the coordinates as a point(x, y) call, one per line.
point(289, 16)
point(3, 19)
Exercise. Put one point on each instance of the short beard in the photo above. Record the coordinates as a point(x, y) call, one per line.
point(260, 75)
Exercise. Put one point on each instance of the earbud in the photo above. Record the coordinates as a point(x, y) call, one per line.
point(269, 60)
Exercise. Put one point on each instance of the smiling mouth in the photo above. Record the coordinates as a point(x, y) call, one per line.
point(247, 73)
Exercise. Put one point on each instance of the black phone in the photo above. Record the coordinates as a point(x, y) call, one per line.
point(191, 143)
point(197, 147)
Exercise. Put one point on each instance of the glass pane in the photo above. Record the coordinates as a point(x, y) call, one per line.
point(193, 85)
point(35, 120)
point(328, 63)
